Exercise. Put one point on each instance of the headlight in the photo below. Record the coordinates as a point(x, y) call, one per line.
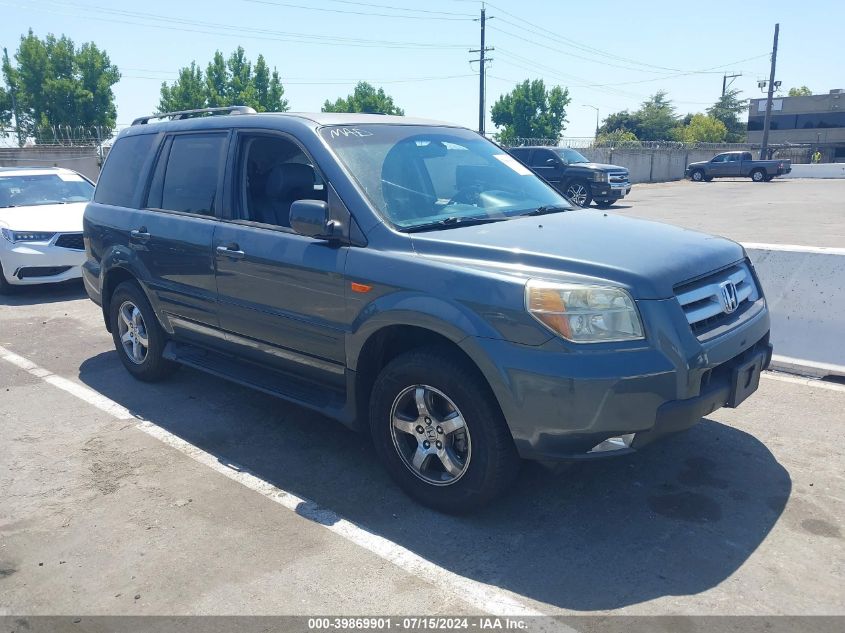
point(584, 314)
point(600, 176)
point(26, 236)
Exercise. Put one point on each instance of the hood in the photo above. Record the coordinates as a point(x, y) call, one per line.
point(60, 218)
point(599, 167)
point(698, 163)
point(648, 258)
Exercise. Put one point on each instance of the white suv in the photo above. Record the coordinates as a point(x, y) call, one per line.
point(41, 225)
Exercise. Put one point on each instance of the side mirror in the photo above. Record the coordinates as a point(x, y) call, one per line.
point(311, 218)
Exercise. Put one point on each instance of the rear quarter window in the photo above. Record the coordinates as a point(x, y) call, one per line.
point(119, 181)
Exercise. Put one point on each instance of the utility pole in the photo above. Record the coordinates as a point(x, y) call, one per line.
point(587, 105)
point(12, 91)
point(764, 146)
point(482, 70)
point(725, 78)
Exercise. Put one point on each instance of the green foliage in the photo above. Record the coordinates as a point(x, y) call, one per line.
point(531, 111)
point(803, 91)
point(232, 81)
point(654, 121)
point(618, 138)
point(702, 129)
point(364, 98)
point(57, 84)
point(729, 110)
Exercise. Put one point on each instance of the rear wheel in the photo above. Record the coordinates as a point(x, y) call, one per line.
point(137, 335)
point(697, 175)
point(439, 432)
point(579, 192)
point(758, 175)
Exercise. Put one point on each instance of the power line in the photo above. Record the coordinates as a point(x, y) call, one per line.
point(366, 13)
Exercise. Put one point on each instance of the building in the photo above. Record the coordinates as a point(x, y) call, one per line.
point(816, 122)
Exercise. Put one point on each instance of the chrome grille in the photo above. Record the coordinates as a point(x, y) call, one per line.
point(706, 303)
point(618, 177)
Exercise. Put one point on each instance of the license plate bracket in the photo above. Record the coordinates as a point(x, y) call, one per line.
point(745, 380)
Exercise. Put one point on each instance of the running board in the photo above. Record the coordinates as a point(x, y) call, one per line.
point(321, 398)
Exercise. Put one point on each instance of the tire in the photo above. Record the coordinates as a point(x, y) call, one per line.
point(133, 322)
point(5, 287)
point(697, 175)
point(579, 192)
point(479, 457)
point(758, 175)
point(604, 205)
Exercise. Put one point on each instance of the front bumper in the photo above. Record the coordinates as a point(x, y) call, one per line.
point(30, 263)
point(605, 192)
point(561, 401)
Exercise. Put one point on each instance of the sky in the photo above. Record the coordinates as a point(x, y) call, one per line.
point(610, 54)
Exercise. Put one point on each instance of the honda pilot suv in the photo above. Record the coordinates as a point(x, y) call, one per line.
point(414, 281)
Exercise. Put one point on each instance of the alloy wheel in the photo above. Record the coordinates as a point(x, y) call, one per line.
point(133, 332)
point(577, 193)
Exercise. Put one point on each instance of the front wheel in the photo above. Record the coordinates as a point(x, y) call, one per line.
point(579, 193)
point(758, 175)
point(137, 335)
point(697, 176)
point(439, 432)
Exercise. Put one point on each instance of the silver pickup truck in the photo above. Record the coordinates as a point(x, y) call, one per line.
point(734, 164)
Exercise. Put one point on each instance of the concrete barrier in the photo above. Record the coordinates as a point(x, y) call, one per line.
point(805, 289)
point(822, 170)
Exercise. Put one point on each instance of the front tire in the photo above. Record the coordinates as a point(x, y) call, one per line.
point(137, 335)
point(758, 175)
point(438, 430)
point(579, 192)
point(697, 176)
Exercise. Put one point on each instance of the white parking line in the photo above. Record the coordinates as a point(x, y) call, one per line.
point(807, 382)
point(483, 597)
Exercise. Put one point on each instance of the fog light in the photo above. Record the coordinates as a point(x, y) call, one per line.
point(614, 443)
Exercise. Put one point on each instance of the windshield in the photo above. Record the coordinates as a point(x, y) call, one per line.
point(417, 176)
point(571, 156)
point(23, 191)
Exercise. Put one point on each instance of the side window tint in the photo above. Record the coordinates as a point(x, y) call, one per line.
point(275, 173)
point(119, 180)
point(190, 178)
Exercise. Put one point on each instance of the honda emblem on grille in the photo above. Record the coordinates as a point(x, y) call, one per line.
point(728, 296)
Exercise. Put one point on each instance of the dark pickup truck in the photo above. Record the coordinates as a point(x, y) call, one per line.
point(574, 176)
point(733, 164)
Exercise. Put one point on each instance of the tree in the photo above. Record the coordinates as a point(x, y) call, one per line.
point(702, 129)
point(365, 98)
point(531, 111)
point(728, 109)
point(654, 121)
point(226, 82)
point(619, 137)
point(803, 91)
point(59, 85)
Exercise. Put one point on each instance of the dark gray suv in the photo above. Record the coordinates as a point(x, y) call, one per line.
point(413, 280)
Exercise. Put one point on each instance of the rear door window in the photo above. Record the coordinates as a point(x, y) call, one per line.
point(541, 157)
point(191, 180)
point(120, 179)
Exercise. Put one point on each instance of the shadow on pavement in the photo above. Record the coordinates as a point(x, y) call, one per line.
point(44, 293)
point(675, 519)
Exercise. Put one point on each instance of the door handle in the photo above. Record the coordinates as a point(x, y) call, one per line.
point(231, 251)
point(139, 235)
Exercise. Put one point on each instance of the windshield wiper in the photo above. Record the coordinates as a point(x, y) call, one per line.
point(452, 221)
point(546, 209)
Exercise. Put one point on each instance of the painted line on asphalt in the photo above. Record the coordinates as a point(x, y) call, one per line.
point(486, 598)
point(800, 380)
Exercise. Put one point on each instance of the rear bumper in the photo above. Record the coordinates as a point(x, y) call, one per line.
point(560, 403)
point(27, 263)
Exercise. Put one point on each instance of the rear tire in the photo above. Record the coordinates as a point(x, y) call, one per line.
point(697, 175)
point(579, 192)
point(438, 430)
point(758, 175)
point(137, 335)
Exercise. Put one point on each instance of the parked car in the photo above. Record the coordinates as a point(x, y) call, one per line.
point(41, 225)
point(574, 176)
point(410, 279)
point(737, 164)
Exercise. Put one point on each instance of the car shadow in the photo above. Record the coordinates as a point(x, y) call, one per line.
point(44, 293)
point(675, 519)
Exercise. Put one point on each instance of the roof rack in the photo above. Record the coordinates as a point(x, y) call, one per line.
point(186, 114)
